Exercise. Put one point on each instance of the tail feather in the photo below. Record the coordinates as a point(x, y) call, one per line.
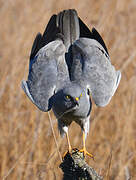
point(68, 23)
point(67, 26)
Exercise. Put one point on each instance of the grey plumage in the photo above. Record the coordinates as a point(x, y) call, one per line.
point(92, 68)
point(68, 63)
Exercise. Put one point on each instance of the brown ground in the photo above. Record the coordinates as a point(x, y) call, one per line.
point(27, 147)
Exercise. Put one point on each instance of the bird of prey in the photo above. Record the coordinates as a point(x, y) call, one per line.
point(68, 64)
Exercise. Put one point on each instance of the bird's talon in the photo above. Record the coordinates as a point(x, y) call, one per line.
point(86, 153)
point(69, 151)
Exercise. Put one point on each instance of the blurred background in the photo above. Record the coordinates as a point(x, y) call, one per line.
point(27, 146)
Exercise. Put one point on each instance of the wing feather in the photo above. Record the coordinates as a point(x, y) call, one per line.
point(92, 68)
point(48, 71)
point(43, 75)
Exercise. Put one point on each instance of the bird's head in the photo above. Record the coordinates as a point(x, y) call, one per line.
point(72, 95)
point(68, 99)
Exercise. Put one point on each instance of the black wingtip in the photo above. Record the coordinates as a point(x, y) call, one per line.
point(49, 35)
point(50, 31)
point(98, 37)
point(36, 45)
point(85, 32)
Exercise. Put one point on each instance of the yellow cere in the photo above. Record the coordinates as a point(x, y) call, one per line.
point(77, 99)
point(81, 95)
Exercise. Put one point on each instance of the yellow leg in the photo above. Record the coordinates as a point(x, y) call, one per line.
point(84, 148)
point(69, 146)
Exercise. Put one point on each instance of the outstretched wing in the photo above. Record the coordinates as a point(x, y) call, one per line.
point(92, 68)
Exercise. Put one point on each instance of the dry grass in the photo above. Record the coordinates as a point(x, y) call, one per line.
point(27, 147)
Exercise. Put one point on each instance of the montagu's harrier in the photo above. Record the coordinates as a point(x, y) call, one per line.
point(68, 64)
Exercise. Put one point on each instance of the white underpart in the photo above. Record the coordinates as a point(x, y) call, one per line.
point(63, 130)
point(87, 126)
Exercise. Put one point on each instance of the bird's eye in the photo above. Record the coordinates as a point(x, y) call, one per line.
point(67, 97)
